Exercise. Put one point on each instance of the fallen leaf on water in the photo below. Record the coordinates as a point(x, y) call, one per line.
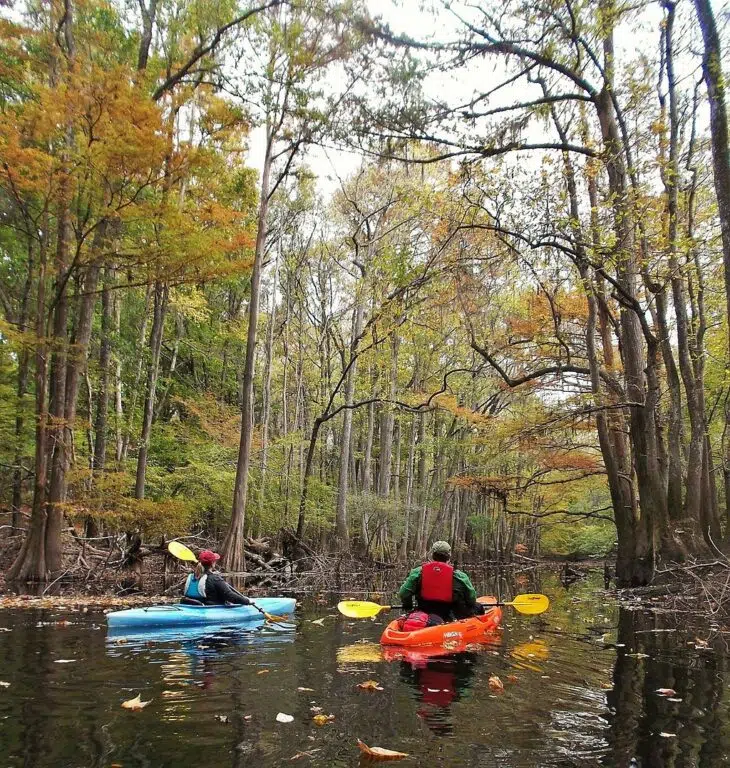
point(3, 684)
point(512, 678)
point(607, 686)
point(64, 661)
point(495, 684)
point(318, 622)
point(674, 699)
point(378, 753)
point(263, 672)
point(370, 685)
point(302, 689)
point(666, 691)
point(222, 718)
point(248, 717)
point(306, 753)
point(323, 719)
point(136, 703)
point(282, 717)
point(667, 735)
point(315, 709)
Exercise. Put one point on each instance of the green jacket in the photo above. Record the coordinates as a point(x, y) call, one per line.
point(464, 592)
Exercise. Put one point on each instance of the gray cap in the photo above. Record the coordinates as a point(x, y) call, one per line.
point(441, 548)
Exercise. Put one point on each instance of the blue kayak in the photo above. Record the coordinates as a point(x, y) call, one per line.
point(179, 615)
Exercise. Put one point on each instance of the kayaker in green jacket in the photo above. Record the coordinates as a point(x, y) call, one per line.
point(438, 588)
point(209, 588)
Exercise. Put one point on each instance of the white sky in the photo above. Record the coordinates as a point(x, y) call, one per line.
point(406, 16)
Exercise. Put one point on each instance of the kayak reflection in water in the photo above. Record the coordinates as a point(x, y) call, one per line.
point(439, 589)
point(204, 587)
point(438, 684)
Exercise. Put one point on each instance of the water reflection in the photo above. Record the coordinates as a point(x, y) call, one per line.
point(662, 729)
point(437, 685)
point(580, 690)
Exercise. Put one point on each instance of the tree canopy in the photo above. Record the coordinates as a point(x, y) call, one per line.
point(269, 267)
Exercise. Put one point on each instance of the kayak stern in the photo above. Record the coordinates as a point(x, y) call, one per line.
point(465, 631)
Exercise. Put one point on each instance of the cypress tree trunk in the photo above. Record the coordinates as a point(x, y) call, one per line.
point(118, 402)
point(266, 417)
point(341, 522)
point(30, 564)
point(138, 372)
point(720, 135)
point(233, 558)
point(102, 395)
point(21, 391)
point(387, 423)
point(158, 325)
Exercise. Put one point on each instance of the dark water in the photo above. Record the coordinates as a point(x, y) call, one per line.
point(580, 690)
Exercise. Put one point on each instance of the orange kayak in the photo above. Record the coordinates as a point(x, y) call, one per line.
point(455, 633)
point(420, 655)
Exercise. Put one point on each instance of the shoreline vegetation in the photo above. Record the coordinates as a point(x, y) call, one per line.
point(106, 578)
point(695, 594)
point(266, 284)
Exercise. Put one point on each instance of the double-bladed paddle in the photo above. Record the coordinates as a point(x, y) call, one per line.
point(181, 552)
point(529, 604)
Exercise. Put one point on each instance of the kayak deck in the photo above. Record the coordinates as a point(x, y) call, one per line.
point(197, 615)
point(457, 633)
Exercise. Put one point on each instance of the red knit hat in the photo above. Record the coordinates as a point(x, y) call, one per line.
point(207, 557)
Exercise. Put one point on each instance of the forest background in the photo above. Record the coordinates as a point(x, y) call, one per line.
point(360, 281)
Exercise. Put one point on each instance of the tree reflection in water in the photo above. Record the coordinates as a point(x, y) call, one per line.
point(686, 729)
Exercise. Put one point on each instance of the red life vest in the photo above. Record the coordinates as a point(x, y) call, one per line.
point(437, 582)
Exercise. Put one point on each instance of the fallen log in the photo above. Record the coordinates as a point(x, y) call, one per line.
point(261, 547)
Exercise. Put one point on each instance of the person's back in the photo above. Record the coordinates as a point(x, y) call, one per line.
point(209, 588)
point(438, 588)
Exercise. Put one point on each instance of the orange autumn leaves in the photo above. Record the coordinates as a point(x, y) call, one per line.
point(116, 132)
point(378, 754)
point(95, 139)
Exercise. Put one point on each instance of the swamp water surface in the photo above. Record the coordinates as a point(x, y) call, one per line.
point(580, 689)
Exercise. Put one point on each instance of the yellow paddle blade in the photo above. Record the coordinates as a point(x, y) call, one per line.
point(360, 609)
point(272, 617)
point(181, 552)
point(530, 604)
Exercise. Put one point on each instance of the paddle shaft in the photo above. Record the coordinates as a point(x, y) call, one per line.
point(529, 604)
point(250, 602)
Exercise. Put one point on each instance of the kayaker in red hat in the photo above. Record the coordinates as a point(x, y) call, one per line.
point(209, 588)
point(439, 589)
